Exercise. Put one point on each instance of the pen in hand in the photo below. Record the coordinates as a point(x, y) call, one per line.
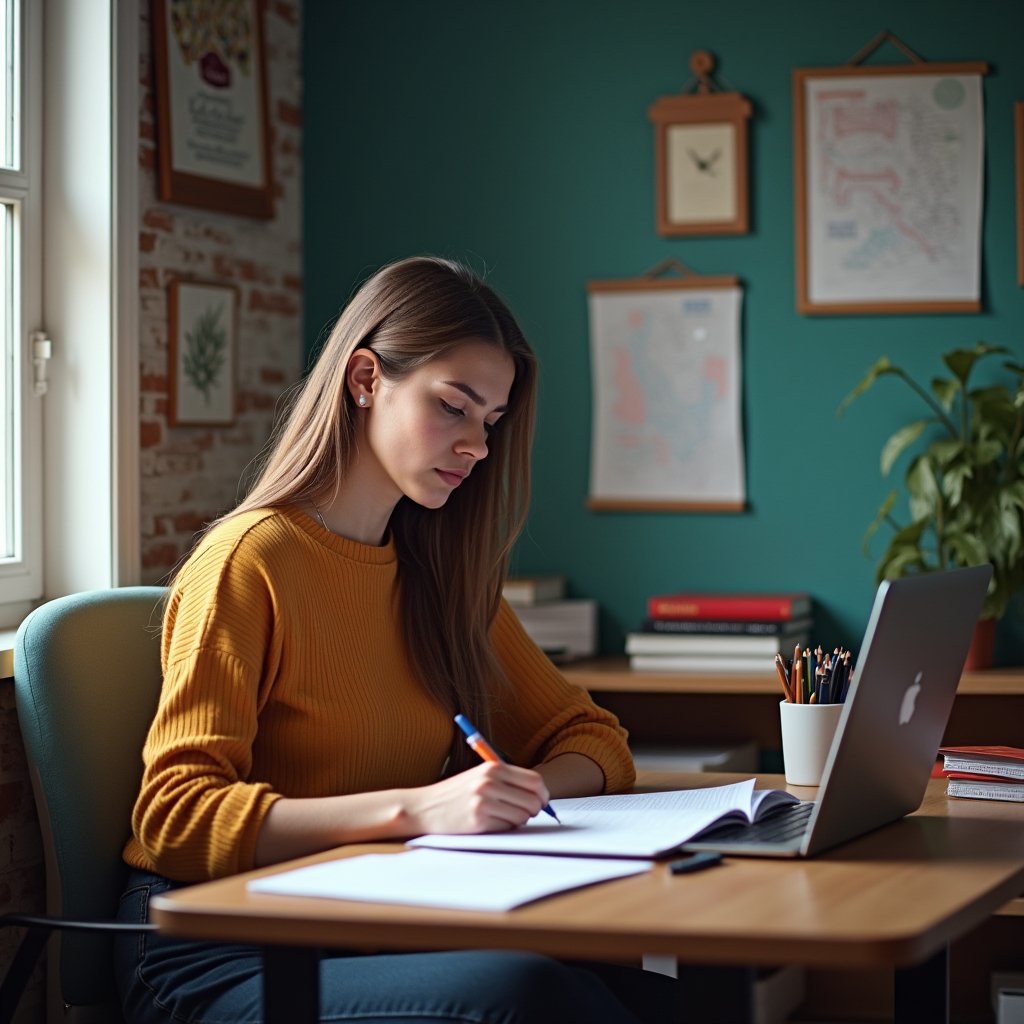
point(486, 751)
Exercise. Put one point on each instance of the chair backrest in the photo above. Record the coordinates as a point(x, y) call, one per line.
point(87, 680)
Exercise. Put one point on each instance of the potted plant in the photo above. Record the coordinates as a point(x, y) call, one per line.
point(965, 487)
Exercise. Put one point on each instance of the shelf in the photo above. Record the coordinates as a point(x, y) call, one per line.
point(615, 675)
point(1015, 908)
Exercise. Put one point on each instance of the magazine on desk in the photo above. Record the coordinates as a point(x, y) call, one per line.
point(647, 825)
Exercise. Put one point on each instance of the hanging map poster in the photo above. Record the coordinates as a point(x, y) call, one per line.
point(666, 415)
point(889, 190)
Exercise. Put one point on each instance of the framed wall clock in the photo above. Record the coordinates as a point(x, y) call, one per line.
point(700, 158)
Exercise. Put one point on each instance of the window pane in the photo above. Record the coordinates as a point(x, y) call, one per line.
point(10, 101)
point(8, 432)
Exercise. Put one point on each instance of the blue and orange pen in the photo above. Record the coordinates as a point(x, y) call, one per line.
point(486, 751)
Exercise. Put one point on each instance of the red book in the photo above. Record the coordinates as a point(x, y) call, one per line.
point(739, 607)
point(1003, 762)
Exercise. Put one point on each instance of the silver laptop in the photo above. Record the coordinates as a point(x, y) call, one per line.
point(891, 725)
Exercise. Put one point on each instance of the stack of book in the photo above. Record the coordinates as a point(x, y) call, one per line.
point(984, 773)
point(564, 628)
point(719, 632)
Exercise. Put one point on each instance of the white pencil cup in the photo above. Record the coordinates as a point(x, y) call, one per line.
point(807, 732)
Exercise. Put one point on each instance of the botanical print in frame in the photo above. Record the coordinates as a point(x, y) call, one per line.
point(202, 348)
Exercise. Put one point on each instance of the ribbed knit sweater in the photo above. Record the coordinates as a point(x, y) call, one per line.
point(285, 674)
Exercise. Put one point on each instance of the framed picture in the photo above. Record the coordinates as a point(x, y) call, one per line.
point(700, 154)
point(700, 159)
point(211, 92)
point(888, 176)
point(1018, 131)
point(202, 353)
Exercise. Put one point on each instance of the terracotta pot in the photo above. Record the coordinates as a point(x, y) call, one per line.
point(982, 644)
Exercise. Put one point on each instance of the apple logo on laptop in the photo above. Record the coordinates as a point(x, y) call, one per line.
point(910, 699)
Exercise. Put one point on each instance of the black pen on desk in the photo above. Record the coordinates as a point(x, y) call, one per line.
point(486, 751)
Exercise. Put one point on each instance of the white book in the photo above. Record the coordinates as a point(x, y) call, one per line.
point(699, 643)
point(530, 590)
point(978, 790)
point(702, 663)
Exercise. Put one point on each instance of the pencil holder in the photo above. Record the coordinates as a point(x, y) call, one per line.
point(807, 732)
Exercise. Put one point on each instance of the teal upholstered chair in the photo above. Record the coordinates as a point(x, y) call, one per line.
point(87, 680)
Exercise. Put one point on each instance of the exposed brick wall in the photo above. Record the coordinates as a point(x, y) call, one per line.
point(190, 474)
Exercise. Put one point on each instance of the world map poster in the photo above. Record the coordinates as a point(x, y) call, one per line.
point(666, 413)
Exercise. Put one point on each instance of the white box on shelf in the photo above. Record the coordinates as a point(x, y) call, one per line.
point(1010, 1006)
point(712, 757)
point(564, 628)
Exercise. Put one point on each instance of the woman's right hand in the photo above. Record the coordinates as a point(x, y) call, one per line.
point(491, 797)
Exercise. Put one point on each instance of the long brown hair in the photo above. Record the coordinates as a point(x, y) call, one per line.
point(451, 561)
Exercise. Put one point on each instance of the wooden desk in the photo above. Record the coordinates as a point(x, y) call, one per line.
point(897, 898)
point(677, 707)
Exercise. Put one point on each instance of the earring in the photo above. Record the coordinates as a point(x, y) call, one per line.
point(362, 400)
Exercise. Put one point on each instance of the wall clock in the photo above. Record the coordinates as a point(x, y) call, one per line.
point(700, 158)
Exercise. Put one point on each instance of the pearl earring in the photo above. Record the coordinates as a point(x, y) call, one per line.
point(362, 400)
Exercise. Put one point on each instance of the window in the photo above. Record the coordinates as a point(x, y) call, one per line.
point(23, 350)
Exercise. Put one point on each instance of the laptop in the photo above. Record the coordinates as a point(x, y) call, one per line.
point(891, 725)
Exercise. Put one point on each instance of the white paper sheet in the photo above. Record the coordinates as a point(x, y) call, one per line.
point(626, 825)
point(443, 878)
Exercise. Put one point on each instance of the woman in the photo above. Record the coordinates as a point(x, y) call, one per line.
point(319, 641)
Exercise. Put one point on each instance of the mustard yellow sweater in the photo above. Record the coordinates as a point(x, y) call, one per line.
point(285, 675)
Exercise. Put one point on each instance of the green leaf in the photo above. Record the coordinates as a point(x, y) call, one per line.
point(910, 535)
point(899, 442)
point(944, 451)
point(921, 482)
point(945, 391)
point(880, 517)
point(895, 564)
point(961, 361)
point(953, 480)
point(880, 369)
point(1014, 493)
point(970, 550)
point(987, 452)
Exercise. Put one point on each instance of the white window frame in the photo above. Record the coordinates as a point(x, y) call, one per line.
point(21, 577)
point(86, 441)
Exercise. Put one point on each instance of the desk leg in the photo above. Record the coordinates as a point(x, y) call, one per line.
point(291, 985)
point(922, 992)
point(718, 995)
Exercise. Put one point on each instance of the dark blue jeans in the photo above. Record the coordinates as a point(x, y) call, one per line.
point(163, 980)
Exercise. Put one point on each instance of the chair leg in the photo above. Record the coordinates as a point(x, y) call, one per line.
point(20, 971)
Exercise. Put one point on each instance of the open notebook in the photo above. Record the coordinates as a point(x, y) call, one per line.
point(628, 825)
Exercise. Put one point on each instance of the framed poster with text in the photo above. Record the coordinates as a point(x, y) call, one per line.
point(211, 94)
point(888, 165)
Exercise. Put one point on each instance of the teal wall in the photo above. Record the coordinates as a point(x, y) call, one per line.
point(515, 136)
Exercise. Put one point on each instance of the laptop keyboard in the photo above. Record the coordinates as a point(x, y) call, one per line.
point(780, 828)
